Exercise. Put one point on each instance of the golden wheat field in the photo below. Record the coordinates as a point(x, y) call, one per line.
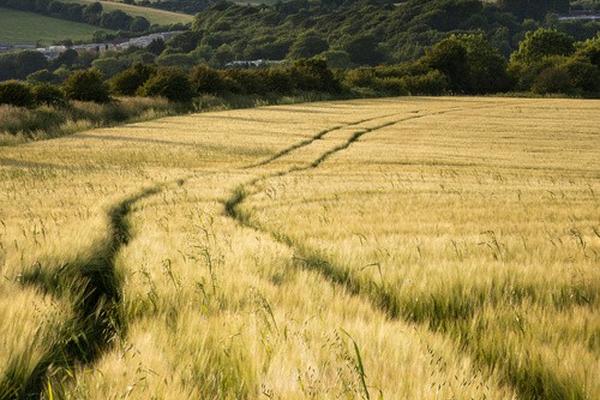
point(410, 248)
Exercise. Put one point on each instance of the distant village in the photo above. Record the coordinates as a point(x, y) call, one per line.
point(52, 52)
point(580, 15)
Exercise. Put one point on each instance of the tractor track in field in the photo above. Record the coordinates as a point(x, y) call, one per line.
point(310, 140)
point(240, 194)
point(95, 289)
point(95, 285)
point(380, 298)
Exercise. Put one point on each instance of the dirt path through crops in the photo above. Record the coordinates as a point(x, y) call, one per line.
point(96, 293)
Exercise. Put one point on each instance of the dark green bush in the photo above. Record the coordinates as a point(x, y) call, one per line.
point(391, 86)
point(110, 66)
point(543, 43)
point(170, 83)
point(364, 50)
point(262, 81)
point(139, 24)
point(431, 84)
point(313, 75)
point(49, 95)
point(583, 75)
point(554, 79)
point(43, 76)
point(360, 77)
point(307, 45)
point(206, 80)
point(336, 59)
point(278, 80)
point(178, 60)
point(127, 82)
point(16, 94)
point(87, 85)
point(590, 49)
point(245, 81)
point(470, 63)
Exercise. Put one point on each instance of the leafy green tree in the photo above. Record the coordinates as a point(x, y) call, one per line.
point(538, 60)
point(110, 66)
point(28, 62)
point(176, 60)
point(94, 8)
point(223, 55)
point(470, 63)
point(127, 82)
point(184, 42)
point(56, 8)
point(20, 65)
point(336, 59)
point(432, 83)
point(156, 46)
point(48, 94)
point(450, 57)
point(43, 76)
point(590, 50)
point(313, 74)
point(16, 94)
point(139, 24)
point(278, 80)
point(364, 50)
point(486, 66)
point(543, 43)
point(554, 79)
point(116, 20)
point(202, 53)
point(360, 77)
point(102, 36)
point(583, 75)
point(141, 56)
point(170, 83)
point(206, 80)
point(67, 58)
point(87, 85)
point(307, 45)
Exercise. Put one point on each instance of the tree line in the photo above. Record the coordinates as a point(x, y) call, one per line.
point(546, 62)
point(92, 14)
point(173, 84)
point(184, 6)
point(367, 32)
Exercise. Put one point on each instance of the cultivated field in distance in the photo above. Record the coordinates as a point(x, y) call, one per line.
point(410, 248)
point(19, 27)
point(154, 15)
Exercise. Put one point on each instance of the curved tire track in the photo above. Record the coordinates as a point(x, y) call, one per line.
point(96, 292)
point(95, 285)
point(539, 384)
point(312, 139)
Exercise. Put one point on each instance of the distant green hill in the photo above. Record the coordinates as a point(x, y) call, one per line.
point(359, 32)
point(18, 27)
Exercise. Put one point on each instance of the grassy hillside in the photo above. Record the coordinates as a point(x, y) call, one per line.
point(17, 27)
point(364, 32)
point(155, 16)
point(415, 248)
